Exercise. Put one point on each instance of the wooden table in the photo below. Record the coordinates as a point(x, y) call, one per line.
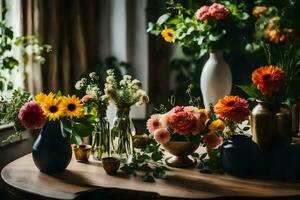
point(80, 179)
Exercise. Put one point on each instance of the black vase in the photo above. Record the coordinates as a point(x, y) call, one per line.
point(239, 155)
point(51, 151)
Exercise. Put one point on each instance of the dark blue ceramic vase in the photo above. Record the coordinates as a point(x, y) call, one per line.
point(51, 151)
point(239, 155)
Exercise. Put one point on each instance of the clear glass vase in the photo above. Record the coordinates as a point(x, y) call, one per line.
point(101, 138)
point(121, 135)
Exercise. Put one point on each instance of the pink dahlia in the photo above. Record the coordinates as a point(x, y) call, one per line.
point(32, 116)
point(182, 122)
point(162, 135)
point(218, 11)
point(155, 123)
point(203, 13)
point(193, 110)
point(86, 98)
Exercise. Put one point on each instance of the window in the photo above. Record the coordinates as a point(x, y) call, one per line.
point(12, 19)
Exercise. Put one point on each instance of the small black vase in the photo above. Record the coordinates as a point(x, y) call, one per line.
point(51, 151)
point(239, 155)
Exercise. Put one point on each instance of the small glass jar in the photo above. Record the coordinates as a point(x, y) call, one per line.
point(122, 133)
point(101, 138)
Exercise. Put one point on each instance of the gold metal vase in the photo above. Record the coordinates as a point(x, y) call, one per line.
point(181, 151)
point(270, 123)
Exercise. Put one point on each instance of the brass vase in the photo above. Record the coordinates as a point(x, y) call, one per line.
point(270, 123)
point(181, 151)
point(296, 117)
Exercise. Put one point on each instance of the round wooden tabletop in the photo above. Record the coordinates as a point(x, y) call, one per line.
point(80, 178)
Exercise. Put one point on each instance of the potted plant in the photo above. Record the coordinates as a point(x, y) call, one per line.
point(210, 29)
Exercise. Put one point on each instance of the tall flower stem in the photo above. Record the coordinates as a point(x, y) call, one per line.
point(121, 133)
point(101, 140)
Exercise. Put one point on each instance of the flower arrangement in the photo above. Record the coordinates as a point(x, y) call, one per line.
point(124, 94)
point(273, 24)
point(9, 112)
point(27, 112)
point(96, 102)
point(181, 123)
point(210, 128)
point(267, 84)
point(209, 28)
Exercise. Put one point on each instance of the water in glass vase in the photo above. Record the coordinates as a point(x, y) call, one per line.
point(101, 139)
point(121, 135)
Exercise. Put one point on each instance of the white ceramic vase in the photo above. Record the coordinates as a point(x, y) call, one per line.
point(216, 79)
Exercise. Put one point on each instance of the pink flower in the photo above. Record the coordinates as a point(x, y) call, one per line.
point(182, 122)
point(155, 123)
point(203, 13)
point(212, 140)
point(86, 98)
point(193, 110)
point(32, 116)
point(218, 11)
point(162, 135)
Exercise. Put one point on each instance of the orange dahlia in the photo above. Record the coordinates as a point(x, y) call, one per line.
point(268, 79)
point(259, 10)
point(233, 108)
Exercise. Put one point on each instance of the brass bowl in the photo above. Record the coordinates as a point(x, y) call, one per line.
point(82, 152)
point(111, 165)
point(140, 141)
point(181, 151)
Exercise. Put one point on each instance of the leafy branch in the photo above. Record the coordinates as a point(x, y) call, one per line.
point(147, 162)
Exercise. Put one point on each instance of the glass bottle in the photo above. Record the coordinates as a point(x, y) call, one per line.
point(101, 138)
point(121, 135)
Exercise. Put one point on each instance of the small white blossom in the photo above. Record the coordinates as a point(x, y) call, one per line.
point(93, 92)
point(78, 85)
point(123, 82)
point(136, 84)
point(93, 75)
point(127, 77)
point(110, 79)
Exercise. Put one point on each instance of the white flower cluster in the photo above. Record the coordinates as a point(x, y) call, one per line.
point(92, 88)
point(125, 93)
point(81, 84)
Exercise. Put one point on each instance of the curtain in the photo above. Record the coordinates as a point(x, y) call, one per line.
point(70, 27)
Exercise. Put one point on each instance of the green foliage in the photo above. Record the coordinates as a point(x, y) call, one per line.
point(199, 37)
point(126, 92)
point(29, 45)
point(211, 162)
point(77, 128)
point(9, 111)
point(147, 162)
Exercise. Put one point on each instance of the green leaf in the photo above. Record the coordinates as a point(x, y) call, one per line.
point(162, 19)
point(195, 155)
point(148, 178)
point(74, 139)
point(246, 128)
point(251, 91)
point(81, 130)
point(203, 156)
point(9, 63)
point(66, 125)
point(159, 173)
point(156, 156)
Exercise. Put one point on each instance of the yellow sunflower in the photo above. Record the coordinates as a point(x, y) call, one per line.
point(72, 106)
point(168, 34)
point(53, 108)
point(41, 98)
